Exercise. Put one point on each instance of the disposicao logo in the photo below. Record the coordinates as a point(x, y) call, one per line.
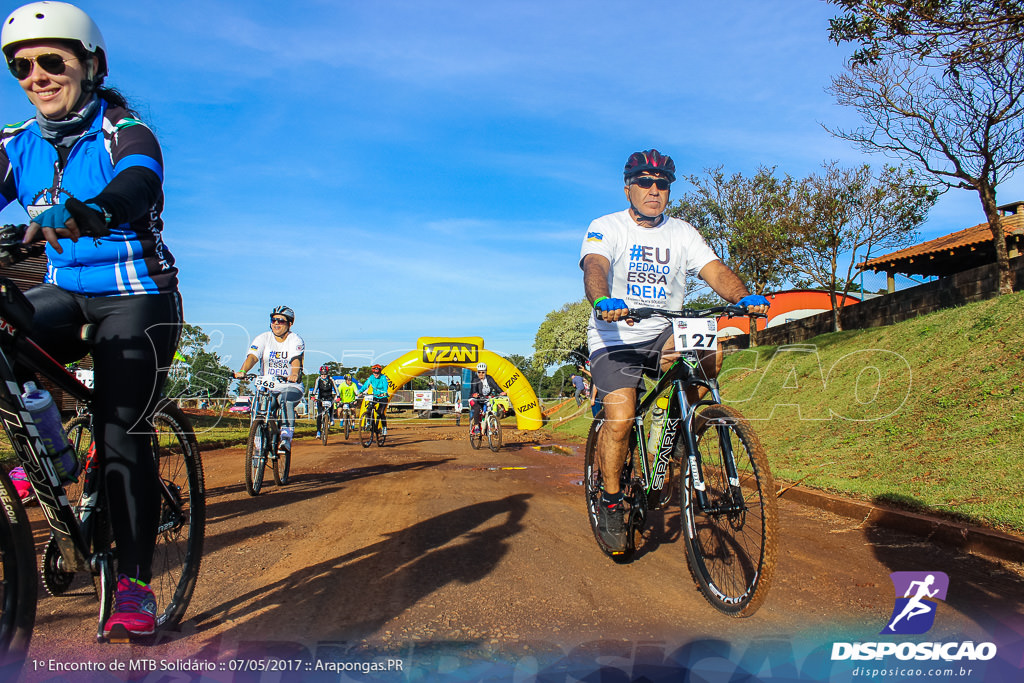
point(914, 612)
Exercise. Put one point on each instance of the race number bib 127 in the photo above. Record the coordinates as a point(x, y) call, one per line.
point(695, 334)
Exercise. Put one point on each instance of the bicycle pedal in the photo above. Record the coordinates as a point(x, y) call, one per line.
point(118, 635)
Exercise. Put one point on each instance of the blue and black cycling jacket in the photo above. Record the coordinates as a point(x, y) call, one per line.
point(379, 384)
point(116, 165)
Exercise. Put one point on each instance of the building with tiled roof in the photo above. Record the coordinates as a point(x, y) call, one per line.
point(954, 253)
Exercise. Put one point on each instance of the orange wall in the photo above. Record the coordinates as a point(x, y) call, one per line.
point(803, 301)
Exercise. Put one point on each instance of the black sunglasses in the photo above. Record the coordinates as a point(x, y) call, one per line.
point(52, 64)
point(646, 182)
point(283, 321)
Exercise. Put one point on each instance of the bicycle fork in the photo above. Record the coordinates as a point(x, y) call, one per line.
point(734, 496)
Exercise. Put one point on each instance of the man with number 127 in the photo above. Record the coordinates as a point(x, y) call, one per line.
point(636, 258)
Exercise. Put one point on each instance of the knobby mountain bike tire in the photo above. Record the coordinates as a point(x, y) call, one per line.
point(366, 423)
point(325, 424)
point(493, 432)
point(731, 553)
point(182, 531)
point(18, 586)
point(347, 419)
point(475, 439)
point(256, 449)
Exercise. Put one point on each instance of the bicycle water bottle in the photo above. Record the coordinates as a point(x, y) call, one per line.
point(657, 425)
point(44, 413)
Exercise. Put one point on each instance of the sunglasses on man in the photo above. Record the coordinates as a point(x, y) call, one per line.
point(281, 321)
point(646, 182)
point(51, 63)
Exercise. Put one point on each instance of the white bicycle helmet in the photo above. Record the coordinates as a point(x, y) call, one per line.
point(481, 366)
point(54, 21)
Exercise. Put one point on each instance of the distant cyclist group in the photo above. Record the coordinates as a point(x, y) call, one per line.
point(85, 165)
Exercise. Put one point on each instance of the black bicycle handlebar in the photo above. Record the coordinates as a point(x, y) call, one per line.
point(731, 310)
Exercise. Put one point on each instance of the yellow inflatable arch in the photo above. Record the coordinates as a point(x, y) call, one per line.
point(465, 352)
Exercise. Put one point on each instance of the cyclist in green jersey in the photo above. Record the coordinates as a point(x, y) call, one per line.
point(347, 391)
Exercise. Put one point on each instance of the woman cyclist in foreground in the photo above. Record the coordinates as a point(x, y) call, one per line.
point(86, 163)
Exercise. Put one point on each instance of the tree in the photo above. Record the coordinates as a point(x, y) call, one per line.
point(562, 337)
point(196, 371)
point(953, 32)
point(840, 212)
point(948, 100)
point(743, 220)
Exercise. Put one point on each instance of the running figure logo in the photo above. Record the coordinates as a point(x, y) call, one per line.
point(914, 612)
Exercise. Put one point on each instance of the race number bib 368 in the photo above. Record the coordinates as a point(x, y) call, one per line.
point(695, 334)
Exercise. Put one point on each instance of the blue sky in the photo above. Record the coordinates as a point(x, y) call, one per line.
point(396, 169)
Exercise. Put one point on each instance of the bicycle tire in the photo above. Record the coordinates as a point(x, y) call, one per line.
point(180, 538)
point(255, 456)
point(731, 555)
point(493, 432)
point(325, 424)
point(347, 419)
point(366, 429)
point(18, 583)
point(475, 439)
point(282, 466)
point(593, 487)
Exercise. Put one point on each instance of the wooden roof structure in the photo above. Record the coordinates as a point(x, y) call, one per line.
point(959, 251)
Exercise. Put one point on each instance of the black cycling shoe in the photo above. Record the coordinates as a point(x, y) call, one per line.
point(611, 525)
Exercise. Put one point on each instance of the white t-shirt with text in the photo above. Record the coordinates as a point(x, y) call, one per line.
point(276, 357)
point(649, 267)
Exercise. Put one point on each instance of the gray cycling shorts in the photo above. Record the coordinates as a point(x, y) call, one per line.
point(624, 367)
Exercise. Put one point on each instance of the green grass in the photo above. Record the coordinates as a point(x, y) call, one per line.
point(927, 414)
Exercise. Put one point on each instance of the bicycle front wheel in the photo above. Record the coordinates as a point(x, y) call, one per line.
point(179, 540)
point(347, 419)
point(256, 456)
point(493, 432)
point(366, 428)
point(283, 465)
point(325, 424)
point(18, 584)
point(731, 545)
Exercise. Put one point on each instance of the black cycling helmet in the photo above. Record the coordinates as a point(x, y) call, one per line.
point(649, 161)
point(286, 312)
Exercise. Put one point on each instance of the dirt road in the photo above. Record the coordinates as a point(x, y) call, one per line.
point(445, 563)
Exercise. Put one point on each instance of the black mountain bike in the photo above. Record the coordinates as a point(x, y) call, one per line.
point(81, 535)
point(264, 444)
point(324, 419)
point(727, 495)
point(370, 425)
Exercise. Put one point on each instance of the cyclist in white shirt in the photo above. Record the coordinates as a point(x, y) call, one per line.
point(640, 257)
point(279, 353)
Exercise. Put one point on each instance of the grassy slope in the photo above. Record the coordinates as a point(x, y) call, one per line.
point(927, 413)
